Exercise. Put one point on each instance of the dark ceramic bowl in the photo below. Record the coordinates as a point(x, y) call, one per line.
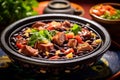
point(54, 66)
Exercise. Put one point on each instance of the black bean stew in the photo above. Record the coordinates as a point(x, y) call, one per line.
point(55, 40)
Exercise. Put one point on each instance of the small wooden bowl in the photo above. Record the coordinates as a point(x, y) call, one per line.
point(103, 20)
point(112, 26)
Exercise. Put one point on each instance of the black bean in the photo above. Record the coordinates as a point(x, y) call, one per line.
point(51, 54)
point(94, 46)
point(42, 54)
point(61, 54)
point(66, 48)
point(89, 41)
point(61, 29)
point(82, 38)
point(88, 25)
point(57, 46)
point(24, 36)
point(62, 57)
point(46, 57)
point(39, 56)
point(85, 52)
point(15, 35)
point(80, 54)
point(97, 37)
point(85, 28)
point(52, 51)
point(66, 41)
point(75, 56)
point(24, 29)
point(92, 39)
point(65, 45)
point(13, 39)
point(12, 43)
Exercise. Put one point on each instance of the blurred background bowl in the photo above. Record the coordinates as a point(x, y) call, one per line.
point(103, 20)
point(113, 26)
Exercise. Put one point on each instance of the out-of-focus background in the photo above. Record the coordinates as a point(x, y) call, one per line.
point(13, 10)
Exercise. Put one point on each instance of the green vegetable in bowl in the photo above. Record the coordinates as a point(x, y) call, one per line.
point(12, 10)
point(106, 11)
point(113, 17)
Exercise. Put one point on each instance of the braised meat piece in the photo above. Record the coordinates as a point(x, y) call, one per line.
point(39, 25)
point(84, 47)
point(29, 51)
point(72, 43)
point(66, 24)
point(85, 33)
point(42, 47)
point(59, 38)
point(57, 26)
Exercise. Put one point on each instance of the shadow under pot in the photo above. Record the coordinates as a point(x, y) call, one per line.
point(60, 6)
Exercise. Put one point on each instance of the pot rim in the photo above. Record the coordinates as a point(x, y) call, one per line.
point(50, 5)
point(20, 57)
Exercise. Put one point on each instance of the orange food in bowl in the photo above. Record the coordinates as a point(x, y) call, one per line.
point(102, 9)
point(106, 11)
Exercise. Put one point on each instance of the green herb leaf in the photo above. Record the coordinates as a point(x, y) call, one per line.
point(75, 29)
point(42, 35)
point(112, 17)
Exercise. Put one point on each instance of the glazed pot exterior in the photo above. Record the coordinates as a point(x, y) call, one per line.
point(53, 66)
